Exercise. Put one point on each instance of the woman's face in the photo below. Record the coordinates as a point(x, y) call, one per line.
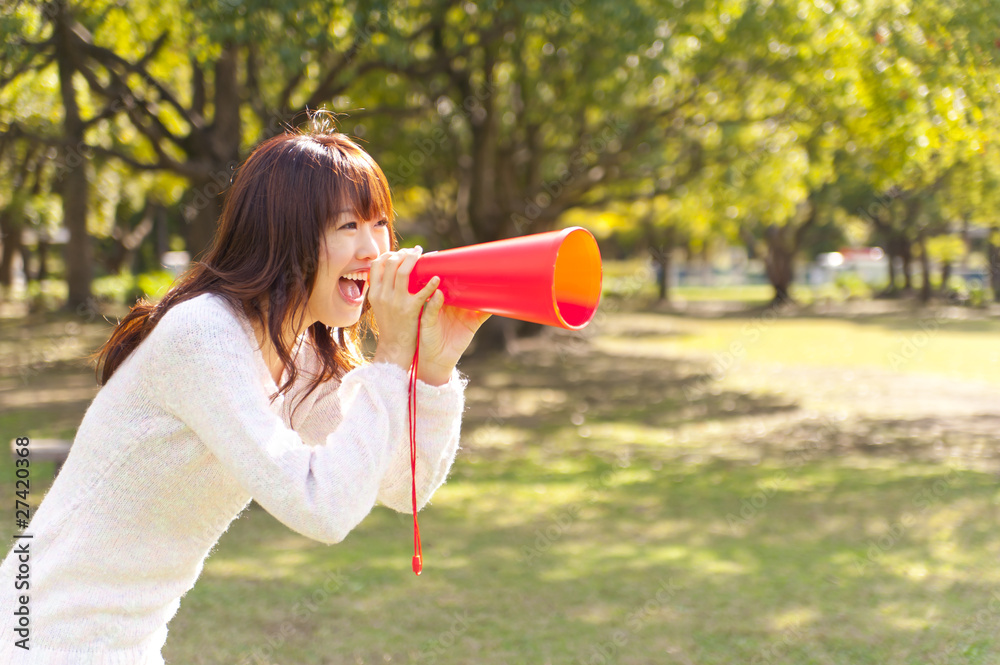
point(345, 256)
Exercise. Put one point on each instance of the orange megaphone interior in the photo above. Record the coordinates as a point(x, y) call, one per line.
point(576, 284)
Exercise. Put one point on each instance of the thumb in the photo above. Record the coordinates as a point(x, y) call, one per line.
point(432, 308)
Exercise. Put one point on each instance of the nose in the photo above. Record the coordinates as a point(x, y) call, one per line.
point(366, 247)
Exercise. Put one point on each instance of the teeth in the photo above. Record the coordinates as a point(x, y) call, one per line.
point(363, 276)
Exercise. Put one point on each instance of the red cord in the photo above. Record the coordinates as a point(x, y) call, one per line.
point(411, 409)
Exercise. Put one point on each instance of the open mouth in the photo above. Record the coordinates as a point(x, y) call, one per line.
point(353, 286)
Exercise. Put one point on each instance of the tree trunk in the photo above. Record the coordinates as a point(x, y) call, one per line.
point(994, 264)
point(73, 185)
point(10, 231)
point(945, 277)
point(484, 214)
point(661, 240)
point(663, 260)
point(925, 267)
point(891, 256)
point(222, 151)
point(202, 217)
point(896, 247)
point(779, 262)
point(906, 254)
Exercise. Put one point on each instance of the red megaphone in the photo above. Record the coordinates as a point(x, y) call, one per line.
point(551, 278)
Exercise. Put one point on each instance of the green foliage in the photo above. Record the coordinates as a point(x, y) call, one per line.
point(768, 123)
point(852, 286)
point(114, 288)
point(946, 249)
point(976, 291)
point(125, 287)
point(154, 284)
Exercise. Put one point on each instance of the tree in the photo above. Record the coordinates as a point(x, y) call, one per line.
point(47, 37)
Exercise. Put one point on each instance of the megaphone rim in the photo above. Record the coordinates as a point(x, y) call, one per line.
point(563, 237)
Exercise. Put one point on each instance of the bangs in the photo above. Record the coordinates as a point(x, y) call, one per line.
point(357, 183)
point(366, 192)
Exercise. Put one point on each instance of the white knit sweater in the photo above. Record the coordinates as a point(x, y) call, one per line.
point(174, 447)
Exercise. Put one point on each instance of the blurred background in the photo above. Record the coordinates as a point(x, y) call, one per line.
point(776, 442)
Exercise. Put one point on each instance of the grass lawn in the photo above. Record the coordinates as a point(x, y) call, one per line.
point(631, 494)
point(939, 342)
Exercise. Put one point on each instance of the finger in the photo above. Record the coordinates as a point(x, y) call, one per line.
point(402, 278)
point(432, 310)
point(392, 262)
point(428, 289)
point(376, 277)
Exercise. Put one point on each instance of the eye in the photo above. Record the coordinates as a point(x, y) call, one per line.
point(354, 225)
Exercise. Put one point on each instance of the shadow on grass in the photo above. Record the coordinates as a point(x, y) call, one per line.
point(823, 546)
point(560, 386)
point(834, 565)
point(598, 535)
point(969, 440)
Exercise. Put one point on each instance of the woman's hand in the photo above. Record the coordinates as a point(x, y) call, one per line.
point(445, 331)
point(445, 334)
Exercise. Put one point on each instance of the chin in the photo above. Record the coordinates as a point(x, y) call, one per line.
point(342, 321)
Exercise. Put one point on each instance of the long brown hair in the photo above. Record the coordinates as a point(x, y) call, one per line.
point(265, 253)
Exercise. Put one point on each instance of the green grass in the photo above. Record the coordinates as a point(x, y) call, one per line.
point(926, 343)
point(617, 500)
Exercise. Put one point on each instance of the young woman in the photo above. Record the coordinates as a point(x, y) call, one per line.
point(246, 381)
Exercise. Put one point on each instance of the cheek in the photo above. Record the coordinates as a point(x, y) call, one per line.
point(334, 261)
point(325, 274)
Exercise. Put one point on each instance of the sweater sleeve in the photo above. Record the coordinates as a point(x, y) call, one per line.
point(439, 420)
point(203, 369)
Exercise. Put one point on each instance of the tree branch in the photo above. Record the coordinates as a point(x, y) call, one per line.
point(110, 60)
